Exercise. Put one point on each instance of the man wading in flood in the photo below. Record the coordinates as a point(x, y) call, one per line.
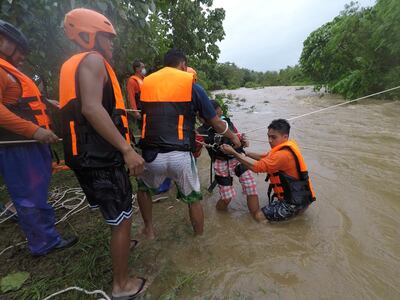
point(96, 137)
point(170, 100)
point(287, 174)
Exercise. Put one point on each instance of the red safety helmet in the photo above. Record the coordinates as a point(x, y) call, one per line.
point(81, 26)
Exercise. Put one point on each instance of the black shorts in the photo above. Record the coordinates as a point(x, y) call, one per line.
point(281, 211)
point(108, 189)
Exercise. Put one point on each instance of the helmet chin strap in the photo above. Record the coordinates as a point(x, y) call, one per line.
point(99, 49)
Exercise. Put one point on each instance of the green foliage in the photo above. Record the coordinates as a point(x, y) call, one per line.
point(224, 106)
point(357, 53)
point(13, 282)
point(146, 29)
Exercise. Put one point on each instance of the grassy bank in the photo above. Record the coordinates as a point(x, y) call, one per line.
point(88, 264)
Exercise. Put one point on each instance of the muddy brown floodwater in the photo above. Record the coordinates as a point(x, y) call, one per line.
point(346, 246)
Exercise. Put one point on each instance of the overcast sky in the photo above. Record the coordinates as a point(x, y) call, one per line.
point(268, 34)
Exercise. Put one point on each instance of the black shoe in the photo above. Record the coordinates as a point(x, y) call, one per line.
point(63, 244)
point(66, 243)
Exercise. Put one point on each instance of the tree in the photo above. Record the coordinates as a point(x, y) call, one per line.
point(146, 29)
point(358, 52)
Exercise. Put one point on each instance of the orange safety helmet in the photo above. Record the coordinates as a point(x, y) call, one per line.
point(193, 71)
point(81, 21)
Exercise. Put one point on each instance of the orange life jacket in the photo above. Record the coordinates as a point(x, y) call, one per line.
point(139, 81)
point(29, 106)
point(168, 117)
point(83, 146)
point(297, 192)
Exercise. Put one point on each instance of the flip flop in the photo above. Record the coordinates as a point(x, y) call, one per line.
point(133, 296)
point(133, 244)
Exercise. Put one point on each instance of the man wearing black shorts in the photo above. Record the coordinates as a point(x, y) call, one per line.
point(96, 136)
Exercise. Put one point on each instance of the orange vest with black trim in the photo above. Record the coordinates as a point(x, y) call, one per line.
point(295, 191)
point(83, 146)
point(29, 106)
point(168, 116)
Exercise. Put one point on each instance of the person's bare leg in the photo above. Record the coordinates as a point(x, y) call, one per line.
point(259, 216)
point(120, 242)
point(146, 210)
point(222, 204)
point(197, 217)
point(253, 205)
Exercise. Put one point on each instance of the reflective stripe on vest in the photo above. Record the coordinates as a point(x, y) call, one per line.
point(168, 119)
point(274, 179)
point(73, 121)
point(30, 105)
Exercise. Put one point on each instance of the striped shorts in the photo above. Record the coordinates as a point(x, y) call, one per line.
point(227, 168)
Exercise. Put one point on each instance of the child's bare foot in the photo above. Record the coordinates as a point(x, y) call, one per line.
point(222, 204)
point(259, 216)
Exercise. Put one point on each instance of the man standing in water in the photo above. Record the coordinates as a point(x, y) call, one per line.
point(287, 174)
point(96, 136)
point(170, 101)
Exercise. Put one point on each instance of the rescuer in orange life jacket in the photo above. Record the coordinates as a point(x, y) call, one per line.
point(26, 167)
point(287, 174)
point(96, 136)
point(133, 87)
point(170, 100)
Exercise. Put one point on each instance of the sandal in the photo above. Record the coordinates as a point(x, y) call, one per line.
point(133, 296)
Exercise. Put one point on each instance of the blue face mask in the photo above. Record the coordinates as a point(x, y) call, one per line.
point(143, 72)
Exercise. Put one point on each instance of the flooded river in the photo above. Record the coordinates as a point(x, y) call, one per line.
point(346, 246)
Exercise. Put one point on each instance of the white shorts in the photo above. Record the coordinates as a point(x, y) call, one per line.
point(180, 167)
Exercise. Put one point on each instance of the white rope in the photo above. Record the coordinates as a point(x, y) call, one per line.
point(56, 197)
point(330, 107)
point(319, 149)
point(5, 210)
point(76, 288)
point(132, 110)
point(8, 217)
point(12, 246)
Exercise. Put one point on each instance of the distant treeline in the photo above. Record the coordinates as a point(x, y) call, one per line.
point(229, 76)
point(357, 53)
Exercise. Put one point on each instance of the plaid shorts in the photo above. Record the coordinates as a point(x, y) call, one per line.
point(227, 168)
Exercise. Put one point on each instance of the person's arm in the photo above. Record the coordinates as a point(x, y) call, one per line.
point(207, 112)
point(131, 88)
point(18, 125)
point(92, 77)
point(220, 127)
point(131, 93)
point(241, 157)
point(255, 155)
